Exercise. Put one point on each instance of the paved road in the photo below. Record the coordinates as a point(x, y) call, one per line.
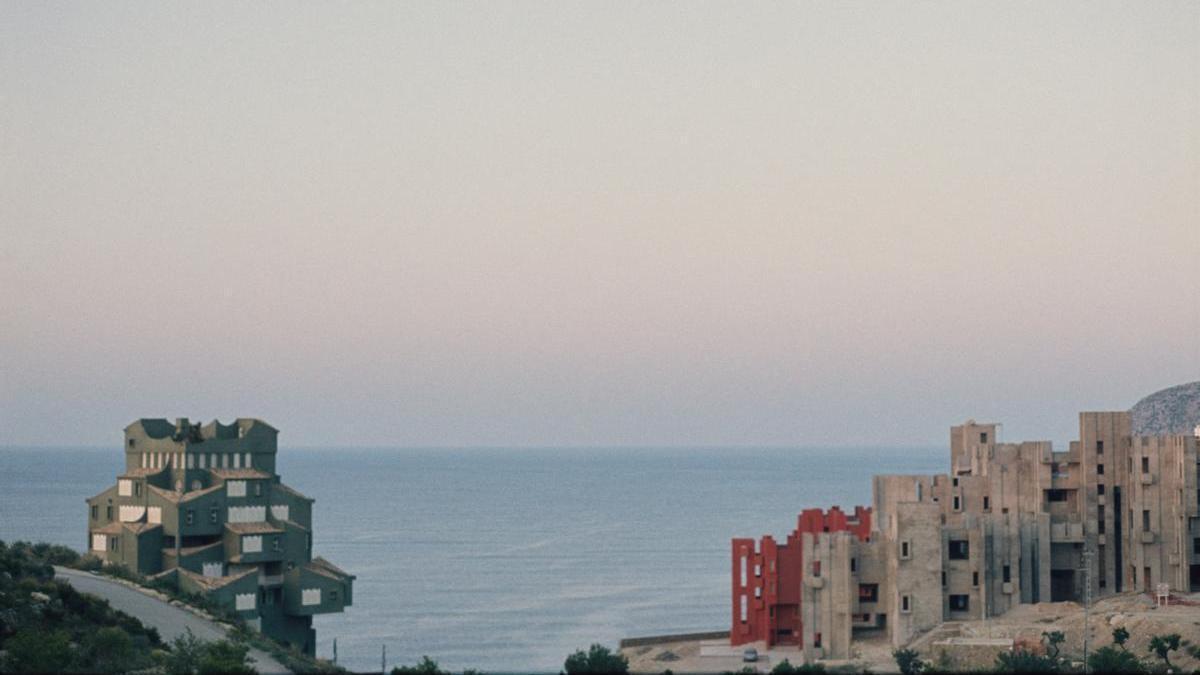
point(170, 621)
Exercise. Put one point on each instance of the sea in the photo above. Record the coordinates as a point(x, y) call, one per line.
point(508, 560)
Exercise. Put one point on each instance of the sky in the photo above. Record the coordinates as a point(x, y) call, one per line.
point(594, 224)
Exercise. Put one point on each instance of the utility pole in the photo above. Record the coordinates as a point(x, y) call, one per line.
point(335, 650)
point(1087, 603)
point(383, 661)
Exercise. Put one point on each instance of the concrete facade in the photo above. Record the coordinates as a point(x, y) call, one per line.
point(1011, 523)
point(202, 506)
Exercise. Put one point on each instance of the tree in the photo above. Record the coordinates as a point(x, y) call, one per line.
point(427, 666)
point(1024, 661)
point(110, 650)
point(598, 659)
point(34, 651)
point(1163, 645)
point(1109, 659)
point(1053, 639)
point(184, 657)
point(909, 661)
point(224, 656)
point(1120, 635)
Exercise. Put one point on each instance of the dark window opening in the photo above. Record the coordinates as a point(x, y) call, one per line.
point(191, 517)
point(1007, 574)
point(974, 578)
point(96, 514)
point(943, 578)
point(854, 564)
point(1099, 447)
point(987, 503)
point(960, 549)
point(1145, 465)
point(131, 442)
point(214, 515)
point(1146, 520)
point(1100, 489)
point(903, 544)
point(1100, 469)
point(816, 568)
point(1056, 495)
point(108, 512)
point(905, 603)
point(957, 504)
point(1100, 527)
point(960, 603)
point(868, 592)
point(983, 437)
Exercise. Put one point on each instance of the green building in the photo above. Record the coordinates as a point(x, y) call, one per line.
point(203, 506)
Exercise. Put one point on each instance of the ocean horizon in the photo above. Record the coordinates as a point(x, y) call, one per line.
point(510, 558)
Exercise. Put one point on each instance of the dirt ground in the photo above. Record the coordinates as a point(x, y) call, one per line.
point(968, 644)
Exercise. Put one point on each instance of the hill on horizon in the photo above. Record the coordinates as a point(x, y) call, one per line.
point(1171, 411)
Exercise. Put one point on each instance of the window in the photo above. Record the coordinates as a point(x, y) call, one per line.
point(1196, 546)
point(137, 488)
point(943, 578)
point(96, 514)
point(1100, 489)
point(1146, 520)
point(960, 549)
point(983, 437)
point(1145, 465)
point(816, 568)
point(1100, 469)
point(905, 604)
point(1056, 495)
point(257, 488)
point(1004, 510)
point(1007, 574)
point(868, 592)
point(275, 546)
point(1100, 519)
point(131, 443)
point(987, 503)
point(960, 603)
point(1099, 447)
point(957, 504)
point(108, 512)
point(333, 595)
point(903, 544)
point(817, 640)
point(213, 515)
point(191, 516)
point(854, 564)
point(974, 578)
point(955, 482)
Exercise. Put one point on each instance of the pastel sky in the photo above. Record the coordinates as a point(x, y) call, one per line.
point(560, 223)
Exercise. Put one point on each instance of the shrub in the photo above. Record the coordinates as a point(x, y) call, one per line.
point(427, 666)
point(909, 661)
point(598, 659)
point(1053, 639)
point(1120, 635)
point(35, 651)
point(1163, 645)
point(1024, 661)
point(1112, 660)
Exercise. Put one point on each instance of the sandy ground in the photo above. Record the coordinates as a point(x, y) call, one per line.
point(1024, 625)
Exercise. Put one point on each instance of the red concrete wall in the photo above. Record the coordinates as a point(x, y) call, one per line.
point(766, 580)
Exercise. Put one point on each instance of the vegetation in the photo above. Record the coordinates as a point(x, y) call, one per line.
point(1052, 640)
point(48, 626)
point(909, 661)
point(1120, 636)
point(1163, 645)
point(427, 666)
point(786, 668)
point(598, 659)
point(1110, 659)
point(1025, 661)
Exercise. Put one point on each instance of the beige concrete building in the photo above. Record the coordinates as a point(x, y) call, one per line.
point(1011, 523)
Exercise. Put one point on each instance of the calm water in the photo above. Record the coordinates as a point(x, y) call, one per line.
point(508, 559)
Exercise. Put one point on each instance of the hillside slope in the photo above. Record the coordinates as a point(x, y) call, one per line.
point(1170, 411)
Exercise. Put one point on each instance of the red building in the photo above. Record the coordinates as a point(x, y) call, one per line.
point(766, 582)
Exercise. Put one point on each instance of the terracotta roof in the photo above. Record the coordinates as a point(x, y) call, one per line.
point(138, 528)
point(254, 528)
point(330, 567)
point(240, 473)
point(187, 496)
point(294, 492)
point(291, 523)
point(191, 550)
point(111, 528)
point(213, 583)
point(169, 495)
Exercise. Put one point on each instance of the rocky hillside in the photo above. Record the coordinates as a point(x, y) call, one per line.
point(1170, 411)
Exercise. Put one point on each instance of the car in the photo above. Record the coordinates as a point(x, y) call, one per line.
point(750, 655)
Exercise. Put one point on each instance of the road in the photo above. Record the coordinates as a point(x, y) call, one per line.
point(171, 621)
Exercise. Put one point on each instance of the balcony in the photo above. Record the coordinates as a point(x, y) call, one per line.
point(1066, 532)
point(1147, 537)
point(1147, 479)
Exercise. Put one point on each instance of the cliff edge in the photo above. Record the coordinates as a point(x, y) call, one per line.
point(1170, 411)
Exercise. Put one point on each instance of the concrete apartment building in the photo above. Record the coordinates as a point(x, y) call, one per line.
point(1011, 523)
point(203, 507)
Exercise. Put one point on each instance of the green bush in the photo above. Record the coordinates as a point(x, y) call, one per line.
point(1110, 659)
point(1163, 645)
point(427, 666)
point(909, 661)
point(1023, 661)
point(598, 659)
